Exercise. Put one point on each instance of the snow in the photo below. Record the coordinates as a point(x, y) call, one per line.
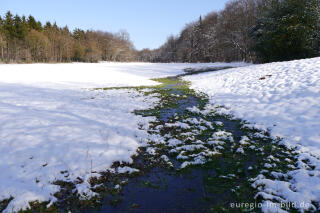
point(222, 135)
point(244, 140)
point(54, 126)
point(240, 150)
point(127, 169)
point(151, 151)
point(197, 160)
point(178, 124)
point(46, 131)
point(87, 75)
point(282, 98)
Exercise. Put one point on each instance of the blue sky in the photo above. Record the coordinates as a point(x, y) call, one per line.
point(149, 22)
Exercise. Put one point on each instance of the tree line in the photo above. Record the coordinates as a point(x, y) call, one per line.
point(246, 30)
point(24, 39)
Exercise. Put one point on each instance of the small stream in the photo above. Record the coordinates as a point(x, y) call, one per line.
point(208, 187)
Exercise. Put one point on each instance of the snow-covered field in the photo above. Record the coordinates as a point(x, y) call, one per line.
point(86, 75)
point(46, 131)
point(285, 98)
point(282, 96)
point(53, 127)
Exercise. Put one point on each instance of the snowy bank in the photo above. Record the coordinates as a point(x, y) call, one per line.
point(284, 98)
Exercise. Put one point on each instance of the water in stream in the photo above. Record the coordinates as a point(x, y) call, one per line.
point(209, 186)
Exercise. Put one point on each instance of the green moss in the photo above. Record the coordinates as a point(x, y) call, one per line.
point(41, 208)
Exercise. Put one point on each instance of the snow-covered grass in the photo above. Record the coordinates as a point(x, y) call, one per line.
point(53, 126)
point(285, 99)
point(282, 96)
point(104, 74)
point(47, 131)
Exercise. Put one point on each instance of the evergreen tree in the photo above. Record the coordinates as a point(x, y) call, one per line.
point(20, 29)
point(47, 25)
point(78, 34)
point(2, 40)
point(8, 26)
point(1, 22)
point(287, 30)
point(33, 24)
point(27, 40)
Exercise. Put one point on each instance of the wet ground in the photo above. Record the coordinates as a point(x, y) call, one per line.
point(210, 186)
point(207, 167)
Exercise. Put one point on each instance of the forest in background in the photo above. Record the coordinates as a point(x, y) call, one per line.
point(25, 40)
point(257, 31)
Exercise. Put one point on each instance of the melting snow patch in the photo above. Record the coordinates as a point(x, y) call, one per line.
point(151, 151)
point(194, 109)
point(240, 150)
point(174, 142)
point(222, 135)
point(219, 123)
point(244, 140)
point(198, 160)
point(178, 124)
point(127, 169)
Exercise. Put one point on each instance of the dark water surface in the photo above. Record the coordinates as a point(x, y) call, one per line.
point(198, 188)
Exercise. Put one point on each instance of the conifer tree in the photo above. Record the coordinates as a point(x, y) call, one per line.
point(287, 29)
